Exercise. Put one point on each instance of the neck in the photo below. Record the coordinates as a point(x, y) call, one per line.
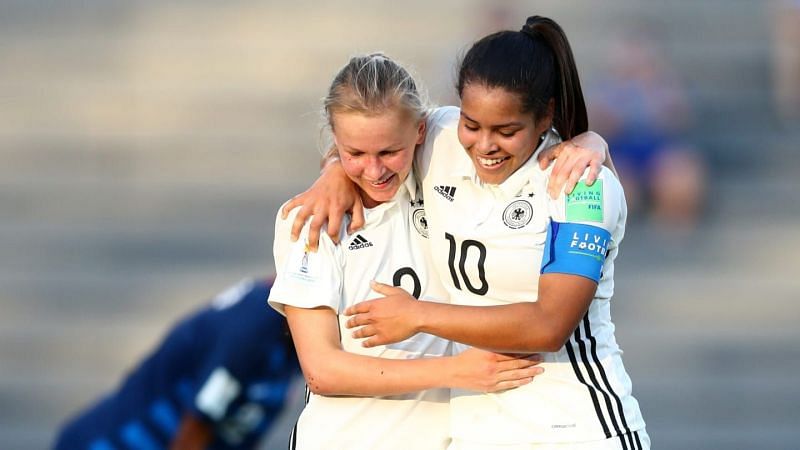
point(368, 201)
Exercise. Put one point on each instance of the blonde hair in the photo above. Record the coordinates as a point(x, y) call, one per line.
point(372, 84)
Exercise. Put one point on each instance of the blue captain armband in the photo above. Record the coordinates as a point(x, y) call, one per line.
point(575, 249)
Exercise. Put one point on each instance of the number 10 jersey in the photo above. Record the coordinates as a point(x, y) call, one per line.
point(487, 243)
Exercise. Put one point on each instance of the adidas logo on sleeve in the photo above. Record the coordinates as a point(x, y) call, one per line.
point(359, 242)
point(447, 192)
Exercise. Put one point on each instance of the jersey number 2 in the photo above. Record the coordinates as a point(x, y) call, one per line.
point(397, 280)
point(483, 288)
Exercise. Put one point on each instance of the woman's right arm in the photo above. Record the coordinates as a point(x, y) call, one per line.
point(329, 370)
point(326, 201)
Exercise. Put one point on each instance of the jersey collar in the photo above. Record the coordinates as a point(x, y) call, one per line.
point(406, 192)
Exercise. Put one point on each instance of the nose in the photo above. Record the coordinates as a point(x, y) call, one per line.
point(374, 168)
point(485, 145)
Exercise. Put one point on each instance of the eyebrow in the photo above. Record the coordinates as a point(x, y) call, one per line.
point(502, 125)
point(387, 149)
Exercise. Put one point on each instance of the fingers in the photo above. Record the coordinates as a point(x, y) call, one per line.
point(575, 175)
point(314, 228)
point(518, 362)
point(370, 337)
point(289, 206)
point(569, 169)
point(371, 342)
point(384, 289)
point(356, 320)
point(364, 332)
point(561, 169)
point(506, 385)
point(299, 221)
point(358, 308)
point(335, 224)
point(594, 172)
point(548, 155)
point(357, 219)
point(515, 378)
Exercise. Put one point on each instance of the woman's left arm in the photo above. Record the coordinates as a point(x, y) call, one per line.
point(566, 288)
point(541, 326)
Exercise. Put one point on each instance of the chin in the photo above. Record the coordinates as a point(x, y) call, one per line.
point(381, 196)
point(492, 178)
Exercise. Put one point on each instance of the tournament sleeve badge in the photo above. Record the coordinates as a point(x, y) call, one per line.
point(303, 267)
point(585, 203)
point(304, 261)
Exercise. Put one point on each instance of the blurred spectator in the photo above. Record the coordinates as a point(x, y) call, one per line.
point(642, 111)
point(786, 59)
point(217, 381)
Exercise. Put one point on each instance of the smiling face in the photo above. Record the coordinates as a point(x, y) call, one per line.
point(497, 135)
point(377, 151)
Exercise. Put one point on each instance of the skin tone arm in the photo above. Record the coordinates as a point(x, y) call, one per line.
point(541, 326)
point(333, 194)
point(329, 370)
point(193, 434)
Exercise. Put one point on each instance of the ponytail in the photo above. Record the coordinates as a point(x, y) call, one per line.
point(570, 117)
point(537, 64)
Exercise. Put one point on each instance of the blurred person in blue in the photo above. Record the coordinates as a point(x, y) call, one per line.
point(641, 109)
point(218, 380)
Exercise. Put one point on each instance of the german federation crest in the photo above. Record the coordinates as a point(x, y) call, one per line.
point(420, 223)
point(518, 214)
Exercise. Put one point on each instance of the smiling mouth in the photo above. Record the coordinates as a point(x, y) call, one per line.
point(382, 183)
point(490, 162)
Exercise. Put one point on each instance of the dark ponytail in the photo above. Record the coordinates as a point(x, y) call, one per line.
point(537, 64)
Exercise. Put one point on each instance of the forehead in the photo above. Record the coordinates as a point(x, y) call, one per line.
point(492, 105)
point(391, 128)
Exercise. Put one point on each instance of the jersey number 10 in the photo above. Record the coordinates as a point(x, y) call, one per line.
point(483, 288)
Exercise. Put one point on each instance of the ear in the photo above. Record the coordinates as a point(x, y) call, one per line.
point(546, 122)
point(421, 131)
point(551, 111)
point(335, 150)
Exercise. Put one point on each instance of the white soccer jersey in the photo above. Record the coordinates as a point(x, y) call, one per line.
point(391, 249)
point(487, 244)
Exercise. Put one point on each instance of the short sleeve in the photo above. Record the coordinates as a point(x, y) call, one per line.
point(305, 279)
point(439, 120)
point(600, 204)
point(584, 226)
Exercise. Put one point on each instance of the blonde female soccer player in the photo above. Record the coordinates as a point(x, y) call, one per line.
point(387, 396)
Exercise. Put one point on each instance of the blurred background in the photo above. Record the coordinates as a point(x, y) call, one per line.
point(145, 147)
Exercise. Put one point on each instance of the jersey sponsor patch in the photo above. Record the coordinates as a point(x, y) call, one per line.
point(448, 192)
point(575, 249)
point(585, 203)
point(359, 242)
point(517, 214)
